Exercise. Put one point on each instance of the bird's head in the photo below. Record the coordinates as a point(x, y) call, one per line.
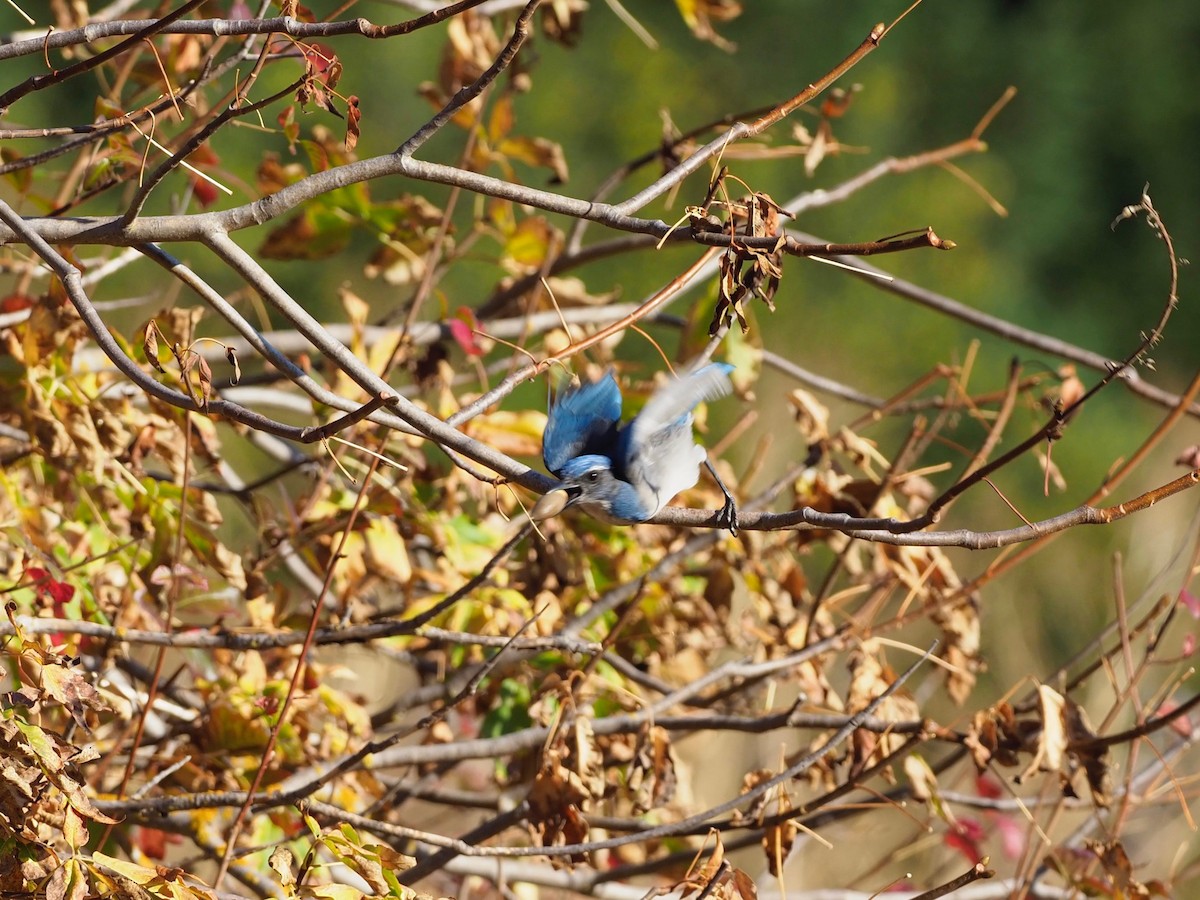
point(589, 481)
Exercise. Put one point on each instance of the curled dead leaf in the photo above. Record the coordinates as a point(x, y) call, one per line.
point(150, 346)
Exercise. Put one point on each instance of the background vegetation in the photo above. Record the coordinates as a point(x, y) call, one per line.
point(245, 659)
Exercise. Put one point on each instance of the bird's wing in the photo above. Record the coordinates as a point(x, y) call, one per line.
point(657, 453)
point(677, 398)
point(582, 420)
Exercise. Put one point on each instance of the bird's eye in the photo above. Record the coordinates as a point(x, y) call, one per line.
point(593, 477)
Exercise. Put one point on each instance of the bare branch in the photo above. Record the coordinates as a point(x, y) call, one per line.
point(98, 31)
point(144, 31)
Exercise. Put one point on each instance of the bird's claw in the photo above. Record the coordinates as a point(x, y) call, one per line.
point(728, 516)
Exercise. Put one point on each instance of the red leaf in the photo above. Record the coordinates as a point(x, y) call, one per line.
point(153, 842)
point(462, 330)
point(203, 156)
point(1182, 725)
point(965, 839)
point(15, 303)
point(320, 57)
point(987, 787)
point(1012, 836)
point(58, 592)
point(204, 191)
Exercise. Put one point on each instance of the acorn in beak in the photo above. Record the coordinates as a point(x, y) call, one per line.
point(552, 503)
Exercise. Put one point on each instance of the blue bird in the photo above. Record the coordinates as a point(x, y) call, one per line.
point(627, 473)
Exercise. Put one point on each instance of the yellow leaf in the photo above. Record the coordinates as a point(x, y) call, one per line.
point(529, 243)
point(538, 151)
point(502, 119)
point(516, 433)
point(386, 553)
point(73, 829)
point(140, 875)
point(357, 309)
point(68, 882)
point(332, 892)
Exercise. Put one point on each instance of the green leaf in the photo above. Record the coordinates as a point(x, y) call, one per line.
point(511, 712)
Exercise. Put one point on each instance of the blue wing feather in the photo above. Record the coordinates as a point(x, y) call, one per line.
point(582, 420)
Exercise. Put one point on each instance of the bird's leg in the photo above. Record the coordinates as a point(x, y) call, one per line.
point(728, 517)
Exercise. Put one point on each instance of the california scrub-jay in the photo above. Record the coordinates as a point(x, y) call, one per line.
point(627, 473)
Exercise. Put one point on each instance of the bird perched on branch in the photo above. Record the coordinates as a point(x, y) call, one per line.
point(627, 473)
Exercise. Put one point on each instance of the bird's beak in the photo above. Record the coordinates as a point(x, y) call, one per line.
point(552, 503)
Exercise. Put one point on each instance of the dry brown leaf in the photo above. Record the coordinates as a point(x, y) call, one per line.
point(283, 863)
point(1092, 757)
point(564, 788)
point(150, 346)
point(1051, 747)
point(777, 840)
point(75, 692)
point(471, 46)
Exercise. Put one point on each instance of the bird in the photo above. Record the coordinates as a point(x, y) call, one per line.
point(623, 473)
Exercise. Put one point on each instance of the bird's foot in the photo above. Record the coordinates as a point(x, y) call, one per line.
point(728, 516)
